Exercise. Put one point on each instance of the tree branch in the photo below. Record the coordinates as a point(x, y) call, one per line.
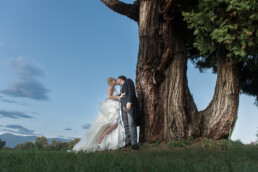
point(129, 10)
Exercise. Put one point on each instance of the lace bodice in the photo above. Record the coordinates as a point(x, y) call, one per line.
point(115, 93)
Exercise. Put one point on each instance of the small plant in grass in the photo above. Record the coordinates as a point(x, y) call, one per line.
point(190, 138)
point(157, 143)
point(181, 143)
point(238, 143)
point(186, 142)
point(142, 146)
point(223, 143)
point(208, 143)
point(175, 144)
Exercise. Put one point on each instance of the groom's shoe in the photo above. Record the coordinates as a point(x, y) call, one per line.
point(125, 148)
point(135, 147)
point(127, 145)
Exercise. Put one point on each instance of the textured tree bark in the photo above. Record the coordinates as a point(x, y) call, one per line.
point(161, 75)
point(219, 117)
point(168, 109)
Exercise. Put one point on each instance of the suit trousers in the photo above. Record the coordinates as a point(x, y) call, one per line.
point(130, 126)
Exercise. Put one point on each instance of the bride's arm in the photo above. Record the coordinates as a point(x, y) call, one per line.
point(110, 91)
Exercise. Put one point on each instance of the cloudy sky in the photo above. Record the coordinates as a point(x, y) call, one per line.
point(55, 58)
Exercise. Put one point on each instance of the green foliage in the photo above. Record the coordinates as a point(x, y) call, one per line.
point(181, 143)
point(208, 143)
point(191, 138)
point(73, 143)
point(226, 29)
point(238, 143)
point(25, 146)
point(2, 144)
point(63, 146)
point(156, 143)
point(41, 143)
point(226, 26)
point(224, 143)
point(228, 144)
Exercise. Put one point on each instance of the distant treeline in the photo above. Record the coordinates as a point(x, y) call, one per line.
point(41, 143)
point(2, 143)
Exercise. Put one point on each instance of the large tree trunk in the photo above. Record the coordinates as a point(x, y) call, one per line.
point(161, 76)
point(168, 109)
point(219, 117)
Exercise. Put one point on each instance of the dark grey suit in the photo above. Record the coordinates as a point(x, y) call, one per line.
point(130, 117)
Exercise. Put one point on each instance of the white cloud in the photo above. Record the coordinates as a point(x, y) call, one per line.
point(22, 67)
point(86, 126)
point(13, 102)
point(27, 84)
point(13, 114)
point(27, 88)
point(20, 129)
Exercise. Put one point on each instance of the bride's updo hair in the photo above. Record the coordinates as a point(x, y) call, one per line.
point(109, 81)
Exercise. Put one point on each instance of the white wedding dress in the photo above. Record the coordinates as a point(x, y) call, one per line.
point(109, 114)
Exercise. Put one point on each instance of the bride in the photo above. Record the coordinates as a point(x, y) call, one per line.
point(107, 131)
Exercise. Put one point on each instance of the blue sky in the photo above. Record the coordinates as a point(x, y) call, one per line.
point(55, 58)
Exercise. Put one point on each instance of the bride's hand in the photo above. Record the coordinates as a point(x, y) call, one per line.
point(122, 95)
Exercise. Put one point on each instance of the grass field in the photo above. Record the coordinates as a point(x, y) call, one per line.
point(151, 157)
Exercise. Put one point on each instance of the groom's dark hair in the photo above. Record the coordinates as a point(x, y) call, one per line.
point(122, 77)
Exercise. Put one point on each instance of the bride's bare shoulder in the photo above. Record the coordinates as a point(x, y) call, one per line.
point(110, 89)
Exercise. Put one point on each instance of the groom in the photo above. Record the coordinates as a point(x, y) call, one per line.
point(130, 111)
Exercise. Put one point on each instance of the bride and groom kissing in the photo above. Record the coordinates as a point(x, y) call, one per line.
point(115, 125)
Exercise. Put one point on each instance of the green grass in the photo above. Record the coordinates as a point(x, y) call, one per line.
point(160, 157)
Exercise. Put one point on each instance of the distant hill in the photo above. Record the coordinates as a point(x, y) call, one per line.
point(13, 140)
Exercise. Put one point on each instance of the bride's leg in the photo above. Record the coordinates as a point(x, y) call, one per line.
point(108, 130)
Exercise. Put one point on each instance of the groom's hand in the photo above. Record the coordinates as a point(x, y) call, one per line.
point(128, 106)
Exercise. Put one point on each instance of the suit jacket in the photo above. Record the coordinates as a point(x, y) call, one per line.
point(130, 96)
